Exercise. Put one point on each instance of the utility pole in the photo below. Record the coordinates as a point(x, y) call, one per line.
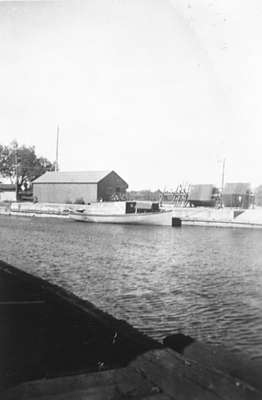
point(57, 144)
point(223, 175)
point(223, 180)
point(16, 176)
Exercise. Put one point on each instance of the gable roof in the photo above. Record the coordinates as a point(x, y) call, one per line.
point(72, 177)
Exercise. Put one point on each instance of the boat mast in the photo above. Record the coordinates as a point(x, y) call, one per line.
point(57, 144)
point(223, 175)
point(223, 180)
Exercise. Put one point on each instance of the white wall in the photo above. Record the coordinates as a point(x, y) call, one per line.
point(7, 196)
point(65, 192)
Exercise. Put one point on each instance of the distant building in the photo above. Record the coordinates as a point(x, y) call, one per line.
point(7, 192)
point(144, 195)
point(77, 187)
point(238, 195)
point(258, 196)
point(203, 195)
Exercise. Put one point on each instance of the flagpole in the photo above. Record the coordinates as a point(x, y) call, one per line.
point(16, 173)
point(222, 182)
point(57, 144)
point(223, 175)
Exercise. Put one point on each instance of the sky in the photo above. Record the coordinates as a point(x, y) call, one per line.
point(161, 91)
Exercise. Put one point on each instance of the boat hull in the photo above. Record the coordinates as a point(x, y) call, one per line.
point(156, 218)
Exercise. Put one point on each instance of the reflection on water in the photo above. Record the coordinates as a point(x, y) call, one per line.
point(205, 282)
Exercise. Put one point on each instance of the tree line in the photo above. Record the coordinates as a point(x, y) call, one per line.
point(21, 165)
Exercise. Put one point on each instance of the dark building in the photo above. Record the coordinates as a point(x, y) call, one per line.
point(74, 187)
point(238, 195)
point(204, 195)
point(258, 196)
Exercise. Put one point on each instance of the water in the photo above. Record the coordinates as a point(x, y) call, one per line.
point(204, 282)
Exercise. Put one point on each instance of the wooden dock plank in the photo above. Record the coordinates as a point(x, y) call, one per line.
point(190, 380)
point(218, 357)
point(158, 374)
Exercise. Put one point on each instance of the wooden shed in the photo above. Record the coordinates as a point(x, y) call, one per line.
point(79, 187)
point(258, 196)
point(204, 195)
point(7, 192)
point(237, 194)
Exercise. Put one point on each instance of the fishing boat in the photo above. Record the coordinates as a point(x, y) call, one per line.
point(124, 212)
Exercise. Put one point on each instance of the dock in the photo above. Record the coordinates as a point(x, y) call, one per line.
point(54, 345)
point(226, 217)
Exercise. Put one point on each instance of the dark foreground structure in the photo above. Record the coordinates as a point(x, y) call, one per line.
point(54, 345)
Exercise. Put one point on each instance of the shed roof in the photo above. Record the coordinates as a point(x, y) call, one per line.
point(72, 177)
point(237, 188)
point(7, 187)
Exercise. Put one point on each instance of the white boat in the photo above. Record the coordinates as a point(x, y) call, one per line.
point(128, 212)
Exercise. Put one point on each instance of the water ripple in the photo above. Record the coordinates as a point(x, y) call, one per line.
point(200, 281)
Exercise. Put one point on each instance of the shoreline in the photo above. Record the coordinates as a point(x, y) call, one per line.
point(60, 249)
point(199, 216)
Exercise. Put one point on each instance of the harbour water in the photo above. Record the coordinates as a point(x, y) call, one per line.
point(204, 282)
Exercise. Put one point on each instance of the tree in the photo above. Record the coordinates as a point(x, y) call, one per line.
point(21, 164)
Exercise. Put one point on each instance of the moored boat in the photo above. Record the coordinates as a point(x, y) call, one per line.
point(124, 212)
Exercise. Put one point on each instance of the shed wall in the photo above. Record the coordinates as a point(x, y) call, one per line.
point(65, 192)
point(110, 185)
point(8, 196)
point(201, 192)
point(237, 200)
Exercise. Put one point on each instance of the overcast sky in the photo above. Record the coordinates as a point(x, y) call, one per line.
point(160, 91)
